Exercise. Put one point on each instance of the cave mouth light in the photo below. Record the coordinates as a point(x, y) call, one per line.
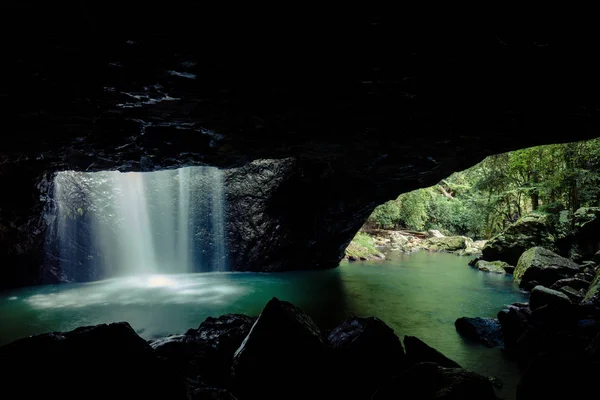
point(105, 224)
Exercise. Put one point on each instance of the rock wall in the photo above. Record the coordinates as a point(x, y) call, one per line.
point(367, 108)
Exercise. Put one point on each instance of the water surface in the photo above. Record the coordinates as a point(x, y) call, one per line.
point(420, 294)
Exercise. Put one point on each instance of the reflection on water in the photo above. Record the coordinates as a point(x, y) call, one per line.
point(421, 295)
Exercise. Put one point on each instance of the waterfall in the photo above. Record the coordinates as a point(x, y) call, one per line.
point(113, 223)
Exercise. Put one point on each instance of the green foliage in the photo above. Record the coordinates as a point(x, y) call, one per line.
point(386, 215)
point(363, 246)
point(483, 200)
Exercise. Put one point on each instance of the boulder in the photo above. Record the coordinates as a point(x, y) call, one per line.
point(575, 283)
point(484, 330)
point(514, 320)
point(592, 296)
point(497, 267)
point(445, 243)
point(543, 266)
point(206, 351)
point(559, 376)
point(576, 296)
point(434, 233)
point(584, 241)
point(541, 296)
point(285, 347)
point(469, 251)
point(474, 261)
point(529, 231)
point(106, 361)
point(429, 381)
point(365, 352)
point(418, 351)
point(586, 276)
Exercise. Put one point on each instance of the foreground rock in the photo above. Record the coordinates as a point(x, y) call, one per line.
point(575, 283)
point(497, 267)
point(284, 345)
point(543, 266)
point(542, 296)
point(429, 381)
point(418, 351)
point(102, 361)
point(514, 321)
point(529, 231)
point(365, 353)
point(484, 330)
point(206, 351)
point(592, 297)
point(560, 376)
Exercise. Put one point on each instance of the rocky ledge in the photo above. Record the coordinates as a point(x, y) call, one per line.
point(282, 354)
point(371, 244)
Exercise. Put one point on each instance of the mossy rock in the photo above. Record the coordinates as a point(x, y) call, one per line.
point(497, 267)
point(529, 231)
point(592, 296)
point(446, 243)
point(544, 266)
point(362, 247)
point(585, 215)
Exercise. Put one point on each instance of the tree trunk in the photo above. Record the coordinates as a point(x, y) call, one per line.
point(535, 200)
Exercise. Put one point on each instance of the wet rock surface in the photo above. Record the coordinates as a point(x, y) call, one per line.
point(543, 266)
point(206, 351)
point(527, 232)
point(497, 267)
point(111, 361)
point(285, 345)
point(484, 330)
point(431, 381)
point(418, 351)
point(542, 296)
point(364, 353)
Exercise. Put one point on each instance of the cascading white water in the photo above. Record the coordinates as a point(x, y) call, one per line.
point(183, 217)
point(169, 221)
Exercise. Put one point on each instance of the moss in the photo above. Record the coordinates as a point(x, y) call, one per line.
point(363, 247)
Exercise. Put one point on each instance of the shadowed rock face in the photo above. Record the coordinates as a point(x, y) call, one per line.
point(367, 106)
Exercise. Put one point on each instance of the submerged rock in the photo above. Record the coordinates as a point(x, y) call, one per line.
point(365, 352)
point(206, 351)
point(418, 351)
point(497, 267)
point(429, 381)
point(106, 361)
point(543, 266)
point(484, 330)
point(542, 296)
point(285, 347)
point(529, 231)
